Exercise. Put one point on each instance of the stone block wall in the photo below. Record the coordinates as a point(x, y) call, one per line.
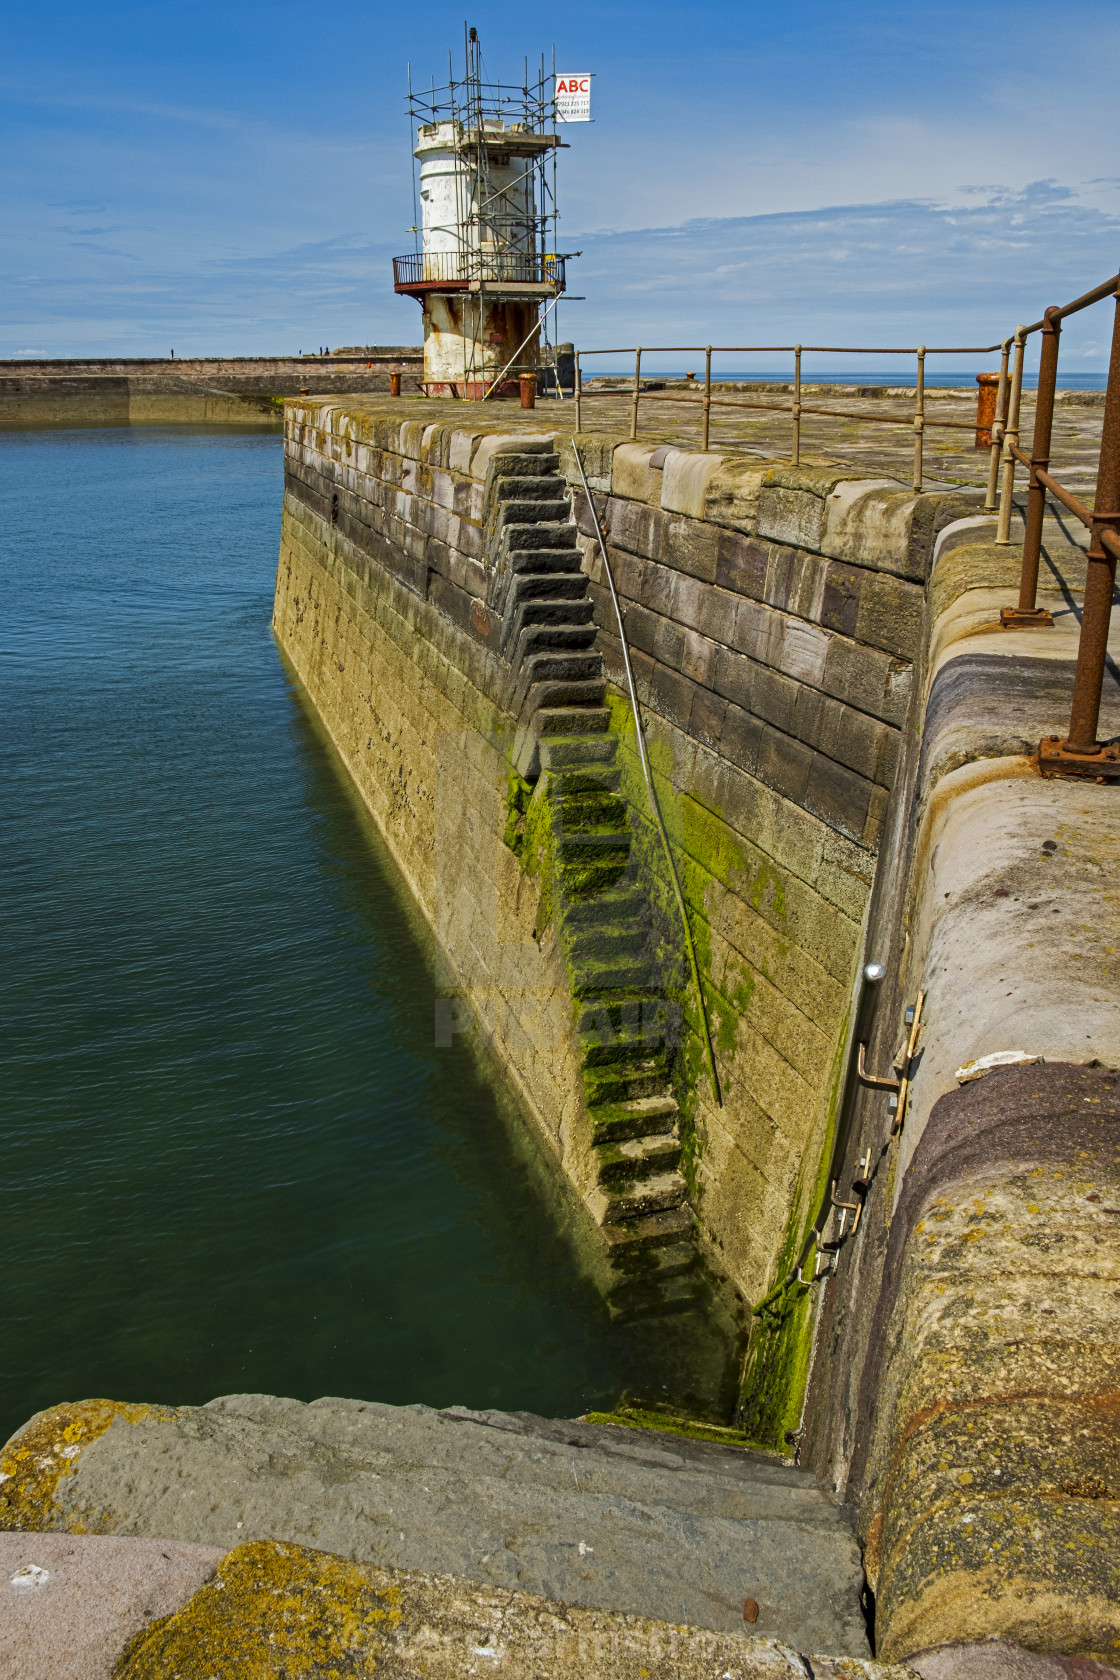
point(774, 617)
point(380, 606)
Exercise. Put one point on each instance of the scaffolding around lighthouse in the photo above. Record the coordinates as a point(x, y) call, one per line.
point(486, 258)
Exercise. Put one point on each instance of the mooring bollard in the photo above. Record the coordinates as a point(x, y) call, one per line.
point(986, 408)
point(528, 384)
point(394, 384)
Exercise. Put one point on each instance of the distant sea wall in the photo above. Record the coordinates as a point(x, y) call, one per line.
point(226, 391)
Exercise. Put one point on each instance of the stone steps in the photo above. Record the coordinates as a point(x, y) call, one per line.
point(543, 557)
point(648, 1232)
point(556, 637)
point(614, 939)
point(623, 1163)
point(568, 614)
point(557, 585)
point(559, 667)
point(616, 1082)
point(560, 721)
point(589, 811)
point(573, 751)
point(532, 487)
point(594, 777)
point(622, 904)
point(543, 695)
point(638, 1117)
point(675, 1257)
point(614, 1203)
point(517, 511)
point(604, 915)
point(556, 536)
point(576, 611)
point(583, 880)
point(589, 844)
point(518, 465)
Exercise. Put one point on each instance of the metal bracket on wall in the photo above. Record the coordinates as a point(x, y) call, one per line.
point(827, 1253)
point(869, 1079)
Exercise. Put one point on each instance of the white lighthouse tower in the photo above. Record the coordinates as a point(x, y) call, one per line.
point(487, 225)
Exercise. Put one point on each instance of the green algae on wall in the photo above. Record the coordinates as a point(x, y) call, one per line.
point(780, 1350)
point(713, 862)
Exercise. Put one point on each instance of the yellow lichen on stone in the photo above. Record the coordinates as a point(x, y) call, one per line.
point(272, 1609)
point(48, 1448)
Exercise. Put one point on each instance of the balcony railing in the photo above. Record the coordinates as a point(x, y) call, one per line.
point(458, 271)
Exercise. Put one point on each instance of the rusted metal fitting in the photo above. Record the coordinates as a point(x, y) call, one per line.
point(1025, 618)
point(986, 408)
point(528, 385)
point(869, 1079)
point(394, 384)
point(1056, 758)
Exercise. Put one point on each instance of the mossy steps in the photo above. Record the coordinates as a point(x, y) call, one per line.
point(568, 820)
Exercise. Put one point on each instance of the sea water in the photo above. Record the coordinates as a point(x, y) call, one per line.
point(234, 1158)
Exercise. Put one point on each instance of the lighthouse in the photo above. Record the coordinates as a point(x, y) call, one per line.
point(487, 274)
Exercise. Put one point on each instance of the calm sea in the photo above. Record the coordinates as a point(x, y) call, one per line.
point(233, 1158)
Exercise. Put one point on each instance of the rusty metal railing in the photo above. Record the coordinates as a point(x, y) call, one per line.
point(1078, 752)
point(795, 407)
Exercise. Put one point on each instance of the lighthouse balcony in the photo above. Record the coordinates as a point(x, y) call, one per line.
point(507, 274)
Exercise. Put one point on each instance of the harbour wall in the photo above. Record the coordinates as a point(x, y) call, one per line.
point(840, 739)
point(775, 682)
point(226, 391)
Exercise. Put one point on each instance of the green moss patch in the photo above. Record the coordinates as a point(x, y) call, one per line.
point(675, 1423)
point(271, 1610)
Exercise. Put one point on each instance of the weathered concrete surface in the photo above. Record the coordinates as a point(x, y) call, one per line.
point(333, 1616)
point(997, 1659)
point(70, 1603)
point(267, 1610)
point(972, 1339)
point(992, 1401)
point(606, 1518)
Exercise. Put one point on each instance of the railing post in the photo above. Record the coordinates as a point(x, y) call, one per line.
point(795, 446)
point(634, 400)
point(998, 428)
point(1081, 754)
point(1026, 615)
point(919, 416)
point(577, 381)
point(987, 399)
point(707, 395)
point(1011, 437)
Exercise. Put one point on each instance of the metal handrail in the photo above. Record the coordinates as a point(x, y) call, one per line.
point(918, 421)
point(1078, 753)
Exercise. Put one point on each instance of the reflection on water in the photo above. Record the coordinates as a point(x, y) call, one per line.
point(234, 1158)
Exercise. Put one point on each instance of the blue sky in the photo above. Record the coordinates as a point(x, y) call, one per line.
point(234, 177)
